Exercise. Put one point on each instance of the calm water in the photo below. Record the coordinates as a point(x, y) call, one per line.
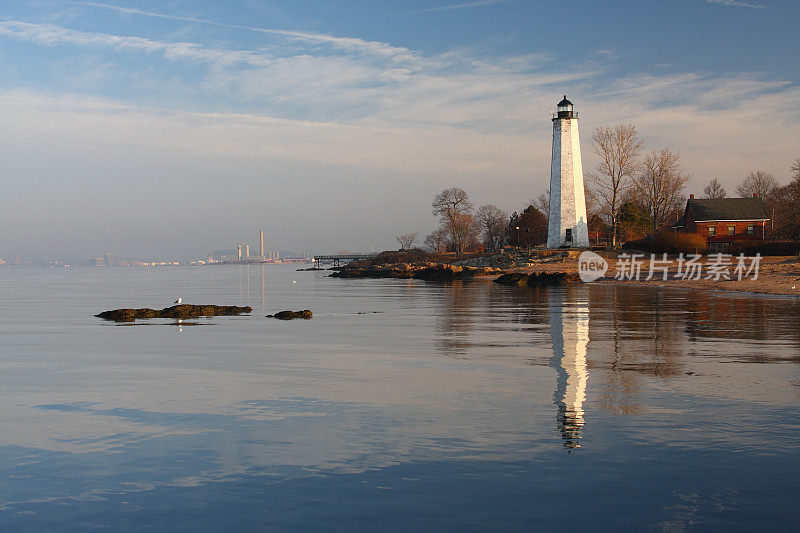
point(401, 405)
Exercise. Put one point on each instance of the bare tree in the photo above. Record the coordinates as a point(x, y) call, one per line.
point(542, 202)
point(714, 190)
point(437, 240)
point(493, 222)
point(451, 205)
point(786, 215)
point(660, 184)
point(469, 232)
point(759, 183)
point(406, 240)
point(618, 149)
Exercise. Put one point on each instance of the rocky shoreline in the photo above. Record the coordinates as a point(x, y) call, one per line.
point(520, 268)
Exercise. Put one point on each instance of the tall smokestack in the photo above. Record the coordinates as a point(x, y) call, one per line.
point(247, 251)
point(261, 239)
point(239, 248)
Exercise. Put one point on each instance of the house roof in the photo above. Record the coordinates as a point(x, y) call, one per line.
point(706, 209)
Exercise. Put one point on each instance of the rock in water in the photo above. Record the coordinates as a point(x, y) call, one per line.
point(288, 315)
point(520, 279)
point(513, 279)
point(424, 271)
point(176, 311)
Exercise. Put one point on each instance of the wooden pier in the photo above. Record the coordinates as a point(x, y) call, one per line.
point(338, 258)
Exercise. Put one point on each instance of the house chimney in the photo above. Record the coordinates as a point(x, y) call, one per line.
point(691, 196)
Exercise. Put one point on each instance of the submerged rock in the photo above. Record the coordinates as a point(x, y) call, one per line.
point(520, 279)
point(175, 311)
point(289, 315)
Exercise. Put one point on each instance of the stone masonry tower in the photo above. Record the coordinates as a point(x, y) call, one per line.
point(567, 226)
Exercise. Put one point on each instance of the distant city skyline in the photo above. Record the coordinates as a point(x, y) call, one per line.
point(169, 129)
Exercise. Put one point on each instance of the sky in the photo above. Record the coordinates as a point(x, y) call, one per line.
point(172, 128)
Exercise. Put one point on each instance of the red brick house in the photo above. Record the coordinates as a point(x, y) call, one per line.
point(723, 221)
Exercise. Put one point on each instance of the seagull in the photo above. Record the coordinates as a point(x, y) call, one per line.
point(179, 300)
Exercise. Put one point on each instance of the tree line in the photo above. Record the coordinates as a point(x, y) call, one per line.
point(638, 195)
point(462, 228)
point(630, 195)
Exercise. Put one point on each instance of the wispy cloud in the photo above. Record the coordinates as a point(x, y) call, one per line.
point(736, 3)
point(452, 88)
point(345, 43)
point(51, 35)
point(463, 5)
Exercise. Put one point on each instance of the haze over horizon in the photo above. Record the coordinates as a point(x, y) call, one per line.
point(176, 128)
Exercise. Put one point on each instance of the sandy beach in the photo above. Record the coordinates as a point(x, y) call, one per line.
point(776, 275)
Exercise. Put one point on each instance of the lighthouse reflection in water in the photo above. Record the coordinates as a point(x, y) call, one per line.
point(569, 329)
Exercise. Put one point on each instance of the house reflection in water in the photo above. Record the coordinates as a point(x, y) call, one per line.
point(569, 329)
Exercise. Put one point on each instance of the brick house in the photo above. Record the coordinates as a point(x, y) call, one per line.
point(723, 221)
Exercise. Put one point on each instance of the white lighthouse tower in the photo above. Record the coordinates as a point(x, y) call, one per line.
point(567, 226)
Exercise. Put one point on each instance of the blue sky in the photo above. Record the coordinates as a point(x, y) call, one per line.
point(202, 121)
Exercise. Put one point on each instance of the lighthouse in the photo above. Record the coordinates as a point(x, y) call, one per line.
point(567, 224)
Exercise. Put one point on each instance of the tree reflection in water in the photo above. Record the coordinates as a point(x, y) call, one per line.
point(455, 322)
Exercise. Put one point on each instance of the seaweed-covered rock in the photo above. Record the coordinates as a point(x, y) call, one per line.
point(289, 315)
point(553, 278)
point(424, 271)
point(513, 279)
point(520, 279)
point(439, 273)
point(176, 311)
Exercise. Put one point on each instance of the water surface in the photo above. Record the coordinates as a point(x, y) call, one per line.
point(400, 405)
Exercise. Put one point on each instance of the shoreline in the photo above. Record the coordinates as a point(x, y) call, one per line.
point(663, 285)
point(777, 276)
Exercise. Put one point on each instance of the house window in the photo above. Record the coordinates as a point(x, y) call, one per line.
point(569, 235)
point(712, 230)
point(751, 230)
point(731, 230)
